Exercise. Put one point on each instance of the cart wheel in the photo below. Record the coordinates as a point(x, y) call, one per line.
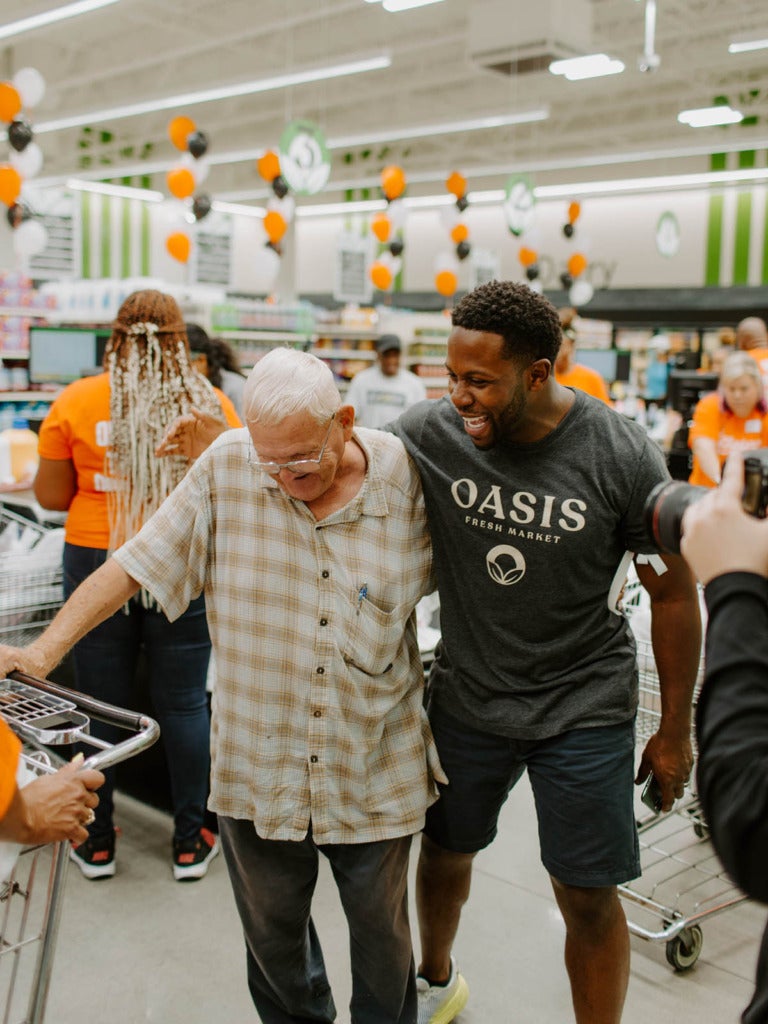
point(683, 951)
point(701, 830)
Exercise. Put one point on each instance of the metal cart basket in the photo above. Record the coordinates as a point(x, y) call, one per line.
point(682, 881)
point(46, 715)
point(30, 577)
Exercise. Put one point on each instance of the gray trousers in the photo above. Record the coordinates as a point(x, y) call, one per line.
point(273, 883)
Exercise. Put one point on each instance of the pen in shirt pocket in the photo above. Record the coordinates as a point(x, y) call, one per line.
point(361, 596)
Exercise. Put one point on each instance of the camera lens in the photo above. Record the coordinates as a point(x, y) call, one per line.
point(664, 510)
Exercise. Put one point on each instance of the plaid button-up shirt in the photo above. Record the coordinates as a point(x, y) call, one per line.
point(317, 711)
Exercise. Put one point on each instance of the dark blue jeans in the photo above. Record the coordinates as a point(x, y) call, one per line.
point(177, 655)
point(273, 882)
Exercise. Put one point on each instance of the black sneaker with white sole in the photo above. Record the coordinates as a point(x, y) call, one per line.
point(95, 857)
point(191, 857)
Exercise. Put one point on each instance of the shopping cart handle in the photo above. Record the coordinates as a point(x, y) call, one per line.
point(145, 729)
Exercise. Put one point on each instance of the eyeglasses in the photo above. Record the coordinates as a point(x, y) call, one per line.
point(296, 465)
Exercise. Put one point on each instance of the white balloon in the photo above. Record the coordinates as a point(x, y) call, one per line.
point(199, 168)
point(28, 162)
point(30, 238)
point(286, 207)
point(265, 265)
point(449, 215)
point(396, 265)
point(396, 211)
point(580, 293)
point(536, 285)
point(30, 85)
point(446, 261)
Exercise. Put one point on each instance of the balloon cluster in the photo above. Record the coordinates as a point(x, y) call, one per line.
point(579, 292)
point(183, 180)
point(23, 92)
point(529, 258)
point(447, 263)
point(280, 206)
point(388, 229)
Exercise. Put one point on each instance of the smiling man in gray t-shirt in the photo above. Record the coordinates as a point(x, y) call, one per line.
point(534, 492)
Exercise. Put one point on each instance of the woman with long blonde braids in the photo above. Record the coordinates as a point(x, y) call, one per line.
point(97, 461)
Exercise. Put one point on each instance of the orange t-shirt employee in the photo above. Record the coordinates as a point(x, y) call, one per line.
point(732, 419)
point(573, 375)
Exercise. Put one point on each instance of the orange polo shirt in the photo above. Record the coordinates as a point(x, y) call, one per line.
point(10, 747)
point(760, 355)
point(77, 428)
point(585, 379)
point(730, 433)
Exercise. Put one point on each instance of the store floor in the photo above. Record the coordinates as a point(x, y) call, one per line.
point(141, 947)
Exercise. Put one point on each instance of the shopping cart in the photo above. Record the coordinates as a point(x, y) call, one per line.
point(682, 881)
point(30, 577)
point(45, 715)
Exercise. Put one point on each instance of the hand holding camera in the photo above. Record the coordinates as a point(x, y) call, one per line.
point(718, 535)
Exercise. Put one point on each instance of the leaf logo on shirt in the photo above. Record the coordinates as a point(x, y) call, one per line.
point(505, 565)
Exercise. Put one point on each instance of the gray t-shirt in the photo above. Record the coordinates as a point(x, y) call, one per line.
point(527, 539)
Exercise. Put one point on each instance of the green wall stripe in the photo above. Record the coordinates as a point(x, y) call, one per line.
point(714, 227)
point(125, 247)
point(145, 239)
point(106, 236)
point(764, 271)
point(85, 227)
point(743, 224)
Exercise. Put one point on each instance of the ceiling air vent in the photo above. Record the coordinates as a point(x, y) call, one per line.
point(517, 37)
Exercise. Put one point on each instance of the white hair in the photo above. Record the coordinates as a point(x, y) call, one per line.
point(740, 364)
point(286, 381)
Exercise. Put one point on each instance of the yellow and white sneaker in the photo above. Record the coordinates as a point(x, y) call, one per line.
point(439, 1004)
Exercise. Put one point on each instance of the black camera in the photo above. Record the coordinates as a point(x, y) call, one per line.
point(666, 504)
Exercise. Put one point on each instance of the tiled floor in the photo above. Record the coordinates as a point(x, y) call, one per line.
point(141, 947)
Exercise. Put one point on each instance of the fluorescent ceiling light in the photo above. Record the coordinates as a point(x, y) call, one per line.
point(446, 128)
point(746, 45)
point(594, 65)
point(15, 28)
point(188, 99)
point(147, 195)
point(406, 5)
point(239, 208)
point(705, 117)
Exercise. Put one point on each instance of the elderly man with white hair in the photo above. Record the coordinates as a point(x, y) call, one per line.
point(308, 538)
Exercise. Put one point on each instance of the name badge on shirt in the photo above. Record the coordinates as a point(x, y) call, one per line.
point(753, 426)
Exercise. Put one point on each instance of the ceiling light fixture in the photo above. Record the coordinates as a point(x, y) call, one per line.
point(706, 117)
point(594, 65)
point(446, 128)
point(393, 6)
point(146, 195)
point(15, 28)
point(747, 45)
point(284, 81)
point(239, 208)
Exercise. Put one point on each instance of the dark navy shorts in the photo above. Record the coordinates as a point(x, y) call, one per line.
point(582, 782)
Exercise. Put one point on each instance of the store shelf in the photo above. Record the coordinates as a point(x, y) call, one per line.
point(27, 396)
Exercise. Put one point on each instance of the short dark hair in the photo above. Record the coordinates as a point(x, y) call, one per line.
point(527, 322)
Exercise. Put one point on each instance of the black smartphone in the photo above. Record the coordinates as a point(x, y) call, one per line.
point(651, 795)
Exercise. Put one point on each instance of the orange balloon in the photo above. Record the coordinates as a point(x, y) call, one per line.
point(456, 184)
point(574, 211)
point(275, 225)
point(381, 226)
point(179, 130)
point(10, 184)
point(179, 246)
point(577, 264)
point(527, 256)
point(393, 182)
point(10, 102)
point(381, 276)
point(460, 233)
point(446, 282)
point(181, 182)
point(268, 165)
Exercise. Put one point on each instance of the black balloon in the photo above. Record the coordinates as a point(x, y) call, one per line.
point(280, 186)
point(197, 144)
point(566, 280)
point(568, 230)
point(20, 134)
point(396, 247)
point(462, 203)
point(532, 272)
point(17, 214)
point(275, 247)
point(463, 249)
point(201, 206)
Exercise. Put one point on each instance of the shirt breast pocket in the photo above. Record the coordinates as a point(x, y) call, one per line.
point(375, 638)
